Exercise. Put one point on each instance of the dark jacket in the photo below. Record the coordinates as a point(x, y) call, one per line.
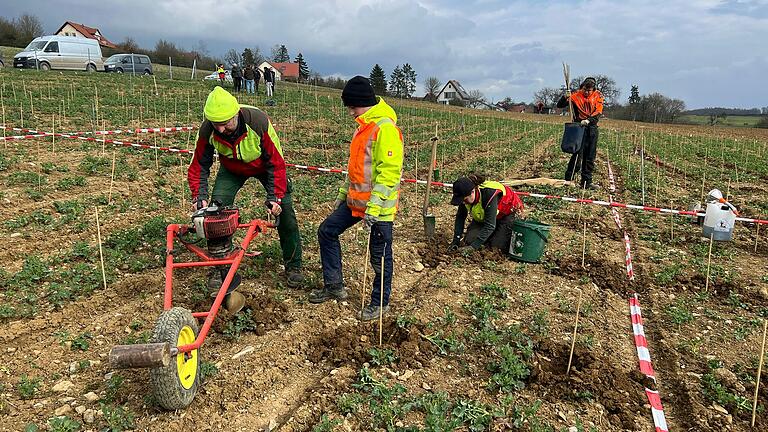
point(490, 199)
point(237, 72)
point(249, 73)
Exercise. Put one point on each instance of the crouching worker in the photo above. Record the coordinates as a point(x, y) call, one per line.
point(248, 147)
point(370, 195)
point(493, 208)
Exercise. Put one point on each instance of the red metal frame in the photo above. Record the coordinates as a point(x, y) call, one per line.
point(173, 232)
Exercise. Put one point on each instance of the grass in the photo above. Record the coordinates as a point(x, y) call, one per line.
point(738, 121)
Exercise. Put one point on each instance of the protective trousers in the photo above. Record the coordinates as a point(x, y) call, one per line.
point(584, 160)
point(224, 191)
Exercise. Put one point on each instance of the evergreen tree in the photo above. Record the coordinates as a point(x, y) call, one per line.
point(634, 101)
point(409, 80)
point(378, 80)
point(397, 82)
point(280, 54)
point(247, 57)
point(303, 68)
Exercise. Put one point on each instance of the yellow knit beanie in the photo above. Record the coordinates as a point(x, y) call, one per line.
point(220, 106)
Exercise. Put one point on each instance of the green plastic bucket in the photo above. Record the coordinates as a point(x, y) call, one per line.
point(529, 240)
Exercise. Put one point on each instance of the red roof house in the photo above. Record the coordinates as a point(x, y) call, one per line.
point(74, 29)
point(287, 70)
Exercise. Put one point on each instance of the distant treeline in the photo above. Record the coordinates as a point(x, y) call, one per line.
point(727, 111)
point(165, 49)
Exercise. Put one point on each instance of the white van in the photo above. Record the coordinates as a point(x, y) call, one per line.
point(60, 52)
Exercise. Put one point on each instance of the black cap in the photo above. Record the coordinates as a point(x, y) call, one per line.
point(462, 187)
point(358, 92)
point(589, 82)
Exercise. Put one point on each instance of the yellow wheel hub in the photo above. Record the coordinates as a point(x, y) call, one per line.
point(186, 363)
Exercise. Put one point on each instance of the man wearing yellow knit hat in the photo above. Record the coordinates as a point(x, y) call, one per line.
point(248, 147)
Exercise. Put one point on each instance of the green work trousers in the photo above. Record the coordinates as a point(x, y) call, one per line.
point(224, 191)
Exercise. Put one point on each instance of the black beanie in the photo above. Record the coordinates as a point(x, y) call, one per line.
point(358, 93)
point(588, 81)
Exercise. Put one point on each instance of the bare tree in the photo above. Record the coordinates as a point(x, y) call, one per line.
point(476, 99)
point(607, 86)
point(548, 96)
point(231, 57)
point(129, 45)
point(28, 27)
point(258, 57)
point(432, 86)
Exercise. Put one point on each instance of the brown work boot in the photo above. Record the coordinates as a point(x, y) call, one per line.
point(234, 302)
point(327, 293)
point(371, 312)
point(294, 278)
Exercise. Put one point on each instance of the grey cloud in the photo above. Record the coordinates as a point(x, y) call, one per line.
point(501, 47)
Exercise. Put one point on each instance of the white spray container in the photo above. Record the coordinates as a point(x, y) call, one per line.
point(720, 217)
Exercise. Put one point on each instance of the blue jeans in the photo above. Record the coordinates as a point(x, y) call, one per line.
point(330, 251)
point(249, 86)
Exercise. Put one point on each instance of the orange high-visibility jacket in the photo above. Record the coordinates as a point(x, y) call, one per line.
point(586, 108)
point(375, 164)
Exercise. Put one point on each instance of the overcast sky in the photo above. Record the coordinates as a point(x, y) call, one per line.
point(708, 52)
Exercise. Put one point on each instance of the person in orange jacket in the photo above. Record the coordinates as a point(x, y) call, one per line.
point(587, 110)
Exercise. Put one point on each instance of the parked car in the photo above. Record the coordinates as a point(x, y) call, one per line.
point(60, 52)
point(215, 77)
point(129, 63)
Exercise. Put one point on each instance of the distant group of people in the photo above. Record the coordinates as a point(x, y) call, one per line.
point(250, 77)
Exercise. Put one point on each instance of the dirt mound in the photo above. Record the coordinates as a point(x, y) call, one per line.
point(592, 375)
point(263, 314)
point(351, 344)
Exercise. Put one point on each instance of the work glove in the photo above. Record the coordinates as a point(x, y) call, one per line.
point(274, 208)
point(370, 221)
point(466, 250)
point(585, 122)
point(198, 203)
point(453, 247)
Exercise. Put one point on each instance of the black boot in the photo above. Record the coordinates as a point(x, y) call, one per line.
point(328, 293)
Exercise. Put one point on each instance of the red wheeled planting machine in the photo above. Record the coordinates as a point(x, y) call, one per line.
point(173, 355)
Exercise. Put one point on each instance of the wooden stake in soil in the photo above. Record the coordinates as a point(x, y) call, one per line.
point(709, 260)
point(759, 370)
point(381, 296)
point(575, 328)
point(112, 178)
point(365, 276)
point(584, 246)
point(101, 252)
point(53, 134)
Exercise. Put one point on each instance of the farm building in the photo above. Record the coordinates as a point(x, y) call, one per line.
point(452, 90)
point(283, 71)
point(74, 29)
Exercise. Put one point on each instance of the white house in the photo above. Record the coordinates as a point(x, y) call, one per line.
point(74, 29)
point(452, 90)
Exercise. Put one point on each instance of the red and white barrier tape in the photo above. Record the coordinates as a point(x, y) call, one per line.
point(109, 132)
point(638, 331)
point(36, 133)
point(646, 367)
point(617, 219)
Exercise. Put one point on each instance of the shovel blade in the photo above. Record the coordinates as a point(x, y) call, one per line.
point(429, 225)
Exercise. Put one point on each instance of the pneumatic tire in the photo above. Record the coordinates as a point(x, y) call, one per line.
point(175, 386)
